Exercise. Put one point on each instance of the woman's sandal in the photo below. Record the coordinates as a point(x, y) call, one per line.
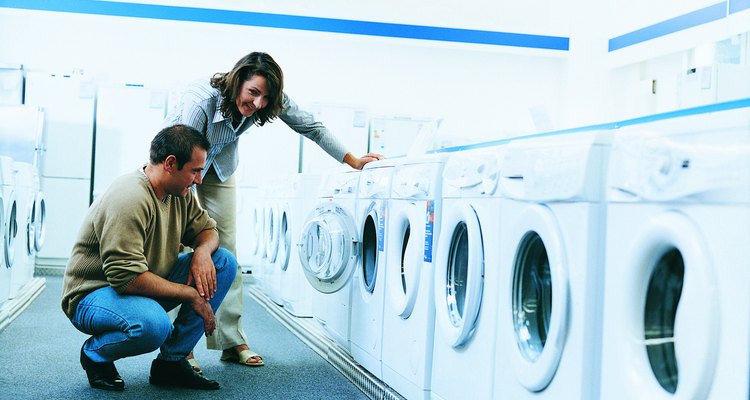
point(246, 357)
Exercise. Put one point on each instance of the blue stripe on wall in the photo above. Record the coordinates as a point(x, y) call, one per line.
point(293, 22)
point(738, 5)
point(689, 20)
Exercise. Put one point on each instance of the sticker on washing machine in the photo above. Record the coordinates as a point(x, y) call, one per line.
point(429, 225)
point(381, 228)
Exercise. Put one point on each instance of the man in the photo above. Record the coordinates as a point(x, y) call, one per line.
point(126, 272)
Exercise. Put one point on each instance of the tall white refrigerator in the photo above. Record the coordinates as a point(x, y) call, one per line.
point(128, 116)
point(68, 101)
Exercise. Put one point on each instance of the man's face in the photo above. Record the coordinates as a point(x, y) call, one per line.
point(189, 175)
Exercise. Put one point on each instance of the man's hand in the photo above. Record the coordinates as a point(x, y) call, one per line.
point(151, 285)
point(203, 274)
point(203, 309)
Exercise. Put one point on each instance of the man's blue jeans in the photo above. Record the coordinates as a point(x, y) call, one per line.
point(127, 325)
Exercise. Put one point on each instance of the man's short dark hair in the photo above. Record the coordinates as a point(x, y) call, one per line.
point(178, 140)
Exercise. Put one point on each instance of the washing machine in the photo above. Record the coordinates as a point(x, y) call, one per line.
point(409, 309)
point(25, 250)
point(257, 217)
point(676, 291)
point(260, 271)
point(286, 215)
point(9, 226)
point(259, 227)
point(252, 189)
point(329, 249)
point(5, 273)
point(368, 282)
point(551, 257)
point(466, 280)
point(247, 198)
point(296, 293)
point(38, 221)
point(276, 238)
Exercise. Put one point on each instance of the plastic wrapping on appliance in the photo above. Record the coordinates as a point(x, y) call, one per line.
point(374, 185)
point(659, 170)
point(479, 172)
point(546, 173)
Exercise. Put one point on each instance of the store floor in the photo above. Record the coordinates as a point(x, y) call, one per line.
point(39, 354)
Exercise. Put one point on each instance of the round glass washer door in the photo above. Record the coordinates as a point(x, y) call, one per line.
point(369, 233)
point(257, 231)
point(459, 273)
point(37, 226)
point(328, 248)
point(675, 313)
point(10, 231)
point(273, 225)
point(539, 297)
point(2, 228)
point(285, 240)
point(405, 255)
point(261, 231)
point(29, 229)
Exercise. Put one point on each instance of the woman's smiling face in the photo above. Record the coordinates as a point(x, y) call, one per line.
point(253, 95)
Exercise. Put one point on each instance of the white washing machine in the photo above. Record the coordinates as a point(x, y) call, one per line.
point(368, 282)
point(247, 198)
point(25, 250)
point(5, 273)
point(329, 249)
point(38, 212)
point(252, 190)
point(551, 255)
point(296, 293)
point(677, 286)
point(9, 226)
point(259, 218)
point(261, 270)
point(276, 213)
point(466, 281)
point(409, 314)
point(286, 216)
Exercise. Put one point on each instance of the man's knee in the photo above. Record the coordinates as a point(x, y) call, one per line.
point(225, 263)
point(152, 331)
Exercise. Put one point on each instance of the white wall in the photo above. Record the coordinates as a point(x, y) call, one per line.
point(483, 92)
point(585, 98)
point(488, 89)
point(665, 60)
point(664, 83)
point(541, 17)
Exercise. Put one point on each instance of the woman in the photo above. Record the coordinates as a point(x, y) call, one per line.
point(251, 94)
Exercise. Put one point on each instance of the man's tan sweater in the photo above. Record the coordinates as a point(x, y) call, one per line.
point(128, 231)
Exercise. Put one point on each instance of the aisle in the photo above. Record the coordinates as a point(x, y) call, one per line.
point(39, 359)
